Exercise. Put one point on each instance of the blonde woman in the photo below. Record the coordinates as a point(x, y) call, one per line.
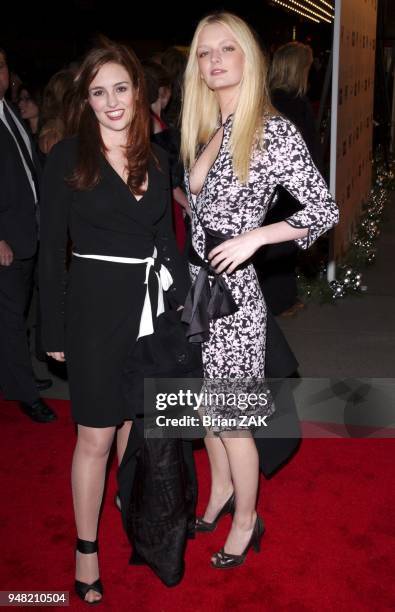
point(236, 151)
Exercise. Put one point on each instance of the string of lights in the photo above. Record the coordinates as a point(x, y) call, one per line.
point(295, 10)
point(319, 8)
point(327, 4)
point(307, 12)
point(306, 8)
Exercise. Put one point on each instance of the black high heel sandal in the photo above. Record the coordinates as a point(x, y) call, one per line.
point(81, 588)
point(228, 508)
point(223, 560)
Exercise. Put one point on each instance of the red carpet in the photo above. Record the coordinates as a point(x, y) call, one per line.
point(329, 543)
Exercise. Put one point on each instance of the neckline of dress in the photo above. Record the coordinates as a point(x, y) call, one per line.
point(125, 185)
point(223, 125)
point(226, 120)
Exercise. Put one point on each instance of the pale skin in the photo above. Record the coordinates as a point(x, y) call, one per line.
point(233, 460)
point(111, 97)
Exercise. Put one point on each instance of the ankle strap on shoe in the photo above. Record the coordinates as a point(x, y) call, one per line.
point(86, 547)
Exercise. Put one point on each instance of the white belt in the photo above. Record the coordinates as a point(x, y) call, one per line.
point(165, 280)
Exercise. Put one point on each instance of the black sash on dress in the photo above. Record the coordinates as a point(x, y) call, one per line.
point(206, 301)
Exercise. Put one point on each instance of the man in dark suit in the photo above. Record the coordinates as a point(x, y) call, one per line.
point(19, 192)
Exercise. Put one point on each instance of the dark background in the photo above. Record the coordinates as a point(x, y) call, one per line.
point(41, 38)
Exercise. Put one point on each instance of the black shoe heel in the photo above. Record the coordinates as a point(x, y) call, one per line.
point(227, 508)
point(223, 560)
point(81, 588)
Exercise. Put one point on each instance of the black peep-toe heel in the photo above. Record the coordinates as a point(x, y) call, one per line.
point(223, 560)
point(81, 588)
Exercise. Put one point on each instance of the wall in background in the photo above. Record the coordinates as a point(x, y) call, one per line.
point(357, 47)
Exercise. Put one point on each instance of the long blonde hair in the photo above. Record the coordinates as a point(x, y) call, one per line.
point(290, 68)
point(200, 109)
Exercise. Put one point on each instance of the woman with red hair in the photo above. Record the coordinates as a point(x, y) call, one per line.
point(108, 188)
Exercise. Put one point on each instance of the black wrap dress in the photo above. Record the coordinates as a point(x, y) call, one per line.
point(93, 312)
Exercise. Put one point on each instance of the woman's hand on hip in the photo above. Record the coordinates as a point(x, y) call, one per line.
point(57, 355)
point(226, 257)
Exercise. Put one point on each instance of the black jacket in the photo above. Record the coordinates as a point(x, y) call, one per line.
point(17, 207)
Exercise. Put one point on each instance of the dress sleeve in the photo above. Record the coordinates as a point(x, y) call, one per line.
point(296, 172)
point(54, 213)
point(169, 253)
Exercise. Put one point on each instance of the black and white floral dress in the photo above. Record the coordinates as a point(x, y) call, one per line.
point(236, 346)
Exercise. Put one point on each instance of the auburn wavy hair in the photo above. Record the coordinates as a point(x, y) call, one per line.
point(85, 125)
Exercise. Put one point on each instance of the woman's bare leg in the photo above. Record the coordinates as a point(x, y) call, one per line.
point(87, 477)
point(244, 467)
point(221, 479)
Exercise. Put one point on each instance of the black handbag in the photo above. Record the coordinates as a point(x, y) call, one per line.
point(158, 488)
point(157, 475)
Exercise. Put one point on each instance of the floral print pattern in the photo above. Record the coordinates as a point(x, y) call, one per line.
point(236, 347)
